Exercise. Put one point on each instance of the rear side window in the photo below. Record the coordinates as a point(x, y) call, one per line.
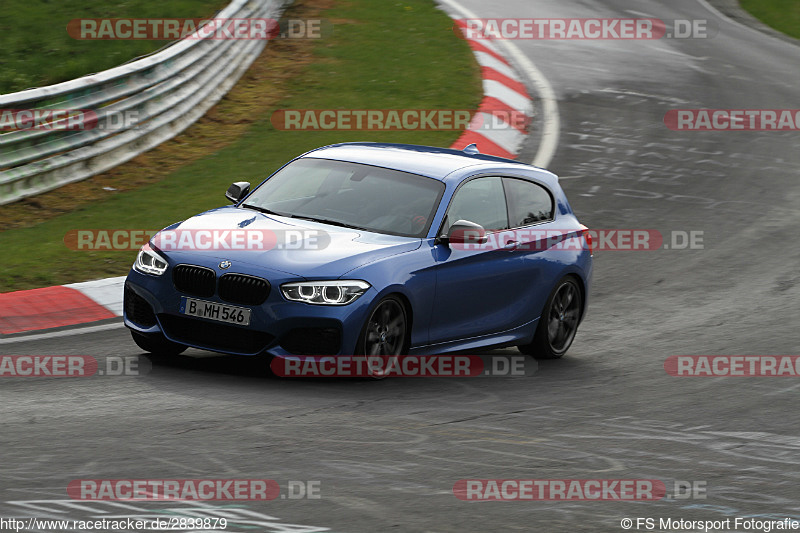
point(528, 203)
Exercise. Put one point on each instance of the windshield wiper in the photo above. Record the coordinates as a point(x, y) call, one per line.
point(263, 210)
point(329, 221)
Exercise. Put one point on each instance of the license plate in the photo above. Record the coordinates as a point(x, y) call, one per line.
point(214, 311)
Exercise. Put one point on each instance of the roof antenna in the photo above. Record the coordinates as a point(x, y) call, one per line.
point(471, 149)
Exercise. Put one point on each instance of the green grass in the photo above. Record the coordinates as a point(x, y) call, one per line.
point(400, 55)
point(783, 15)
point(37, 51)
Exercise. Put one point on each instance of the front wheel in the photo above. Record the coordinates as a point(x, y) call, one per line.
point(558, 323)
point(385, 333)
point(157, 344)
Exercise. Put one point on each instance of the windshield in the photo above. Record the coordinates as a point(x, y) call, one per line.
point(351, 195)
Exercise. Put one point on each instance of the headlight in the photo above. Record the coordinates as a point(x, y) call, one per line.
point(338, 292)
point(150, 262)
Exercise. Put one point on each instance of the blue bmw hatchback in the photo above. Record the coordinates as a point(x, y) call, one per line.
point(367, 248)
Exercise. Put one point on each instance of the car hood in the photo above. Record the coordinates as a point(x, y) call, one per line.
point(299, 247)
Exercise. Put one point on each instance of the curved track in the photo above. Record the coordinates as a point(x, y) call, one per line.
point(387, 453)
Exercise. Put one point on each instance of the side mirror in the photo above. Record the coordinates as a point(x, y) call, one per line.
point(237, 191)
point(465, 232)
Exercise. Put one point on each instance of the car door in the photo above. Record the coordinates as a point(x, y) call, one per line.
point(473, 294)
point(501, 285)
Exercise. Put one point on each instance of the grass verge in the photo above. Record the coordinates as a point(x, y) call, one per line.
point(399, 55)
point(37, 51)
point(783, 15)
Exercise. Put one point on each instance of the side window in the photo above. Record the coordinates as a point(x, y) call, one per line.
point(528, 202)
point(482, 201)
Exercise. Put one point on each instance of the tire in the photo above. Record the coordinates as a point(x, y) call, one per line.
point(156, 344)
point(385, 332)
point(558, 323)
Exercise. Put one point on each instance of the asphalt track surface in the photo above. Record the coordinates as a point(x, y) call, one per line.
point(387, 453)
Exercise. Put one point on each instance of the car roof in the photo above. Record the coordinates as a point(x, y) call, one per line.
point(427, 161)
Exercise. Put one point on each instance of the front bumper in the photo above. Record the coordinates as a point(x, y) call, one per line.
point(277, 327)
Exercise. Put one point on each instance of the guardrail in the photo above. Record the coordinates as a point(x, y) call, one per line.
point(168, 90)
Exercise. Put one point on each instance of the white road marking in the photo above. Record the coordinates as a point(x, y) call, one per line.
point(486, 60)
point(62, 333)
point(106, 292)
point(508, 96)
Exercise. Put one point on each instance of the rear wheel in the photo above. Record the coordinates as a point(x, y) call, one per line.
point(157, 344)
point(558, 323)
